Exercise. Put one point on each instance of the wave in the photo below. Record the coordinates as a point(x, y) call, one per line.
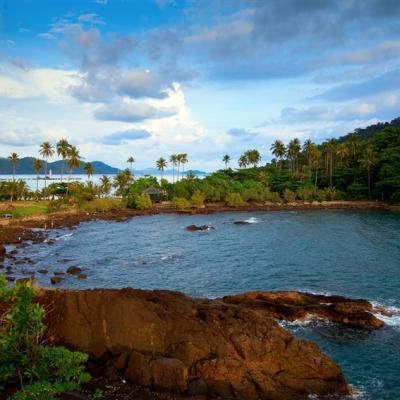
point(66, 236)
point(390, 315)
point(252, 220)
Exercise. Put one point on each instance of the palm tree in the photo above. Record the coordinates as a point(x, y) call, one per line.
point(226, 159)
point(278, 150)
point(37, 165)
point(293, 152)
point(89, 170)
point(314, 157)
point(105, 185)
point(174, 160)
point(307, 146)
point(330, 147)
point(183, 158)
point(353, 142)
point(122, 181)
point(130, 161)
point(62, 147)
point(253, 157)
point(46, 150)
point(14, 159)
point(368, 162)
point(343, 152)
point(243, 161)
point(161, 165)
point(74, 159)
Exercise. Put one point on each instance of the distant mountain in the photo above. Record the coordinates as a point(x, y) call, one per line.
point(24, 167)
point(368, 132)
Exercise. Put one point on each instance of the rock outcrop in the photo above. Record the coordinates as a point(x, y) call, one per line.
point(166, 340)
point(292, 306)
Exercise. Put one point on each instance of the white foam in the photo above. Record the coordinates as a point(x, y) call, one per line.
point(392, 318)
point(252, 220)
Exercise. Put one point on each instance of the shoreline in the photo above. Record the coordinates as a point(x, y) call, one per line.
point(33, 228)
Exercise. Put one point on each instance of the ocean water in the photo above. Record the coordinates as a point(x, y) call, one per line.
point(355, 254)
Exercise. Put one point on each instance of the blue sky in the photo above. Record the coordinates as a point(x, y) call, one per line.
point(204, 77)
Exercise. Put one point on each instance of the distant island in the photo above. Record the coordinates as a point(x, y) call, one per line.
point(25, 167)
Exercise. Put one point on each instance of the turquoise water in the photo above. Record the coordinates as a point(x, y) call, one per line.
point(355, 254)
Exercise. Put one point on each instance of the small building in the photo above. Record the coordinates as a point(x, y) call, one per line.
point(155, 194)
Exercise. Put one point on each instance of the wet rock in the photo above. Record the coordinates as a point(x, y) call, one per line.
point(82, 276)
point(192, 228)
point(229, 350)
point(63, 260)
point(9, 272)
point(50, 242)
point(59, 273)
point(297, 306)
point(242, 223)
point(55, 279)
point(1, 266)
point(13, 252)
point(10, 278)
point(9, 268)
point(42, 271)
point(74, 270)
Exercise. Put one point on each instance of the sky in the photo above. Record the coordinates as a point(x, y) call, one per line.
point(150, 78)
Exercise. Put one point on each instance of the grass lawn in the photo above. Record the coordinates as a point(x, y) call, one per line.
point(24, 208)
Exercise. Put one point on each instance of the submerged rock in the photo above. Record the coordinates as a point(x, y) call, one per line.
point(242, 222)
point(82, 276)
point(55, 279)
point(42, 271)
point(184, 345)
point(192, 228)
point(74, 270)
point(297, 306)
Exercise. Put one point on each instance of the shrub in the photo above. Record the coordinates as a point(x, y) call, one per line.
point(305, 193)
point(234, 200)
point(143, 201)
point(181, 203)
point(41, 371)
point(197, 199)
point(288, 196)
point(272, 196)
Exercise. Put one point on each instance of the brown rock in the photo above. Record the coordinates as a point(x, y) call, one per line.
point(42, 271)
point(227, 349)
point(157, 372)
point(121, 361)
point(297, 306)
point(74, 270)
point(192, 228)
point(82, 276)
point(55, 279)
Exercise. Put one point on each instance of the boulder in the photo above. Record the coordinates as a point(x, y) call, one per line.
point(192, 228)
point(55, 279)
point(297, 306)
point(190, 345)
point(74, 270)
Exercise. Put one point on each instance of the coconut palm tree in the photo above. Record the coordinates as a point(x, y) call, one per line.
point(89, 170)
point(315, 157)
point(226, 159)
point(243, 161)
point(130, 161)
point(307, 146)
point(368, 162)
point(183, 158)
point(174, 160)
point(353, 142)
point(74, 159)
point(105, 185)
point(62, 147)
point(37, 165)
point(46, 150)
point(14, 159)
point(278, 150)
point(253, 157)
point(122, 181)
point(330, 148)
point(343, 152)
point(293, 152)
point(161, 165)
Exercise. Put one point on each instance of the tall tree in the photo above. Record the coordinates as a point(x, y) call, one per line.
point(174, 160)
point(293, 152)
point(74, 159)
point(89, 170)
point(62, 147)
point(243, 161)
point(37, 165)
point(226, 159)
point(46, 150)
point(307, 146)
point(331, 147)
point(368, 162)
point(278, 150)
point(105, 185)
point(14, 159)
point(343, 153)
point(130, 161)
point(315, 157)
point(253, 157)
point(183, 158)
point(161, 165)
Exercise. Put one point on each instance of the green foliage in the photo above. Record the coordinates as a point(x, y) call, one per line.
point(197, 199)
point(141, 201)
point(41, 371)
point(181, 203)
point(289, 196)
point(234, 200)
